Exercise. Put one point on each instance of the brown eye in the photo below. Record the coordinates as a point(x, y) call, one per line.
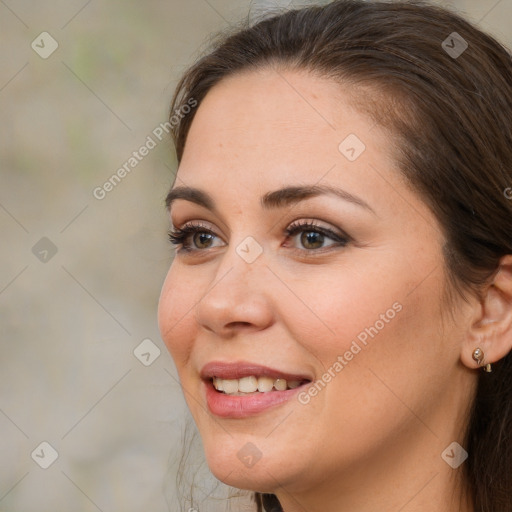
point(312, 239)
point(193, 237)
point(202, 239)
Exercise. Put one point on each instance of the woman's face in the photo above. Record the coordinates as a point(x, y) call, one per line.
point(348, 309)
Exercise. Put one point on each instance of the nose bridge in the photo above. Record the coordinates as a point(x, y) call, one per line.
point(237, 292)
point(242, 269)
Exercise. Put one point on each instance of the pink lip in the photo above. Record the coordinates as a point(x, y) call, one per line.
point(241, 369)
point(226, 406)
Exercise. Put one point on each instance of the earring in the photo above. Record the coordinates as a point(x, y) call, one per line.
point(478, 356)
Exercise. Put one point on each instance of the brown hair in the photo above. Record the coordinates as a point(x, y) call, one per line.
point(451, 114)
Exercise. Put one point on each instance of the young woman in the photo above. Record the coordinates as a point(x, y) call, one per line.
point(339, 308)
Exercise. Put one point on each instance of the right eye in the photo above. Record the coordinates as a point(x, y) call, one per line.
point(192, 237)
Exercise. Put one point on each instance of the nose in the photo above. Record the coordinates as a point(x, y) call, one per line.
point(237, 298)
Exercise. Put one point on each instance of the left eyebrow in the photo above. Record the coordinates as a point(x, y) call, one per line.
point(271, 200)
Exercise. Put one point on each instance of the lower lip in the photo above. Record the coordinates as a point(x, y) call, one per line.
point(228, 406)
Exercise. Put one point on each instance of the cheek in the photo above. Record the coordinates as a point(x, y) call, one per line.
point(366, 299)
point(370, 334)
point(176, 314)
point(332, 308)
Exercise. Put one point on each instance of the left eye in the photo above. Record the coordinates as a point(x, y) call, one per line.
point(313, 236)
point(196, 237)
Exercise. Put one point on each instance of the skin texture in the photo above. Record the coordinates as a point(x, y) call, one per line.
point(372, 438)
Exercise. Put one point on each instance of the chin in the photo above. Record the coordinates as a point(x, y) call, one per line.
point(248, 463)
point(249, 479)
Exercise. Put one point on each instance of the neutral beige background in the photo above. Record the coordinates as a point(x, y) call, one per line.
point(70, 325)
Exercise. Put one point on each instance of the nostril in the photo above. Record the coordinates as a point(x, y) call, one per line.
point(239, 324)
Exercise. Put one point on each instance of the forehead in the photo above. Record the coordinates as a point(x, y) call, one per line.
point(274, 124)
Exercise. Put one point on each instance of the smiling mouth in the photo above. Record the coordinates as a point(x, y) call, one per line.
point(253, 384)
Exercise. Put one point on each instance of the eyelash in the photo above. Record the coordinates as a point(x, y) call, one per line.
point(179, 236)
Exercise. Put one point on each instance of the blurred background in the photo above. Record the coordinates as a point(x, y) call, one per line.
point(91, 412)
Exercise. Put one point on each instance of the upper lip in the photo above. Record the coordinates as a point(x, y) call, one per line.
point(240, 369)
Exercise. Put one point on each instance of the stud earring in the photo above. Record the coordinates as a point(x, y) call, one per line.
point(478, 356)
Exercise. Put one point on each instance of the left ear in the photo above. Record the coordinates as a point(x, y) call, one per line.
point(491, 327)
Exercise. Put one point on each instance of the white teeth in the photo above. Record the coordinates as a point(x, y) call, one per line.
point(217, 384)
point(248, 384)
point(280, 384)
point(230, 386)
point(252, 384)
point(265, 384)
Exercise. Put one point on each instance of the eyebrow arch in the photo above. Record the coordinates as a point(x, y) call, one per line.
point(271, 200)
